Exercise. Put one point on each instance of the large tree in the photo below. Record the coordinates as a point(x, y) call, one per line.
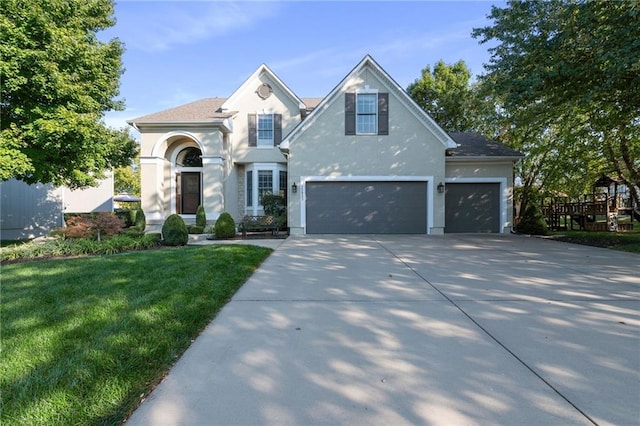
point(58, 79)
point(572, 69)
point(447, 95)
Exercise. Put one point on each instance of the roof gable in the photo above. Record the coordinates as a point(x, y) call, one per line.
point(250, 85)
point(368, 63)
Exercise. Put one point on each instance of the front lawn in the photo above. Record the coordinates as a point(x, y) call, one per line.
point(84, 338)
point(623, 241)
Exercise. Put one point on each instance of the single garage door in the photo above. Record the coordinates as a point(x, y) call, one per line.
point(472, 207)
point(366, 207)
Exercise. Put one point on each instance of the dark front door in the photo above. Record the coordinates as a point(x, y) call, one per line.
point(188, 196)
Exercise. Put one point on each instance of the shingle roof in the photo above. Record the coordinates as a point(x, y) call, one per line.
point(199, 111)
point(311, 103)
point(476, 145)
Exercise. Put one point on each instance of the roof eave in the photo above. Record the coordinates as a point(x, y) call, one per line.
point(223, 123)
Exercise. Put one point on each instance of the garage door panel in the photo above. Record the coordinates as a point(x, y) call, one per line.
point(472, 207)
point(366, 207)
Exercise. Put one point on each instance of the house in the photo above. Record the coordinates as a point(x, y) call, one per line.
point(364, 159)
point(29, 211)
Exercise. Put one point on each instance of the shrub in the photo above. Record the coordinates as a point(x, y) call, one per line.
point(274, 205)
point(225, 226)
point(201, 218)
point(195, 229)
point(128, 216)
point(174, 231)
point(93, 225)
point(532, 221)
point(140, 222)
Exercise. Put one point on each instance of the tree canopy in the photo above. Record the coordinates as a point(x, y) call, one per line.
point(58, 79)
point(571, 70)
point(446, 94)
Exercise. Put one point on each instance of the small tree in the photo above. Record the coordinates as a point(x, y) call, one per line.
point(532, 221)
point(97, 225)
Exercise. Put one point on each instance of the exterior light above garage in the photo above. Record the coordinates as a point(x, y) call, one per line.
point(441, 188)
point(294, 188)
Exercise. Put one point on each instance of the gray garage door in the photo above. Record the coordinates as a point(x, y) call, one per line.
point(366, 207)
point(472, 207)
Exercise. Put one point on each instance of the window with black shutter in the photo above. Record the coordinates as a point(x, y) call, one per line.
point(366, 113)
point(265, 130)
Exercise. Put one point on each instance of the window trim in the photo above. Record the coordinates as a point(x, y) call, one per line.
point(266, 143)
point(367, 92)
point(253, 206)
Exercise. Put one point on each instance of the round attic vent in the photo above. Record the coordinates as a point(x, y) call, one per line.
point(264, 91)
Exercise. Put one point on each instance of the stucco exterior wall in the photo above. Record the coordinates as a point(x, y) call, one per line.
point(324, 150)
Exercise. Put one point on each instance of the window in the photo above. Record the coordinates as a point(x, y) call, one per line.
point(283, 184)
point(265, 183)
point(189, 157)
point(366, 113)
point(265, 130)
point(250, 188)
point(261, 179)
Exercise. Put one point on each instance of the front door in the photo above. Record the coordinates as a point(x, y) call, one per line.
point(188, 195)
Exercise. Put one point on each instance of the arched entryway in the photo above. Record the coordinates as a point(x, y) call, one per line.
point(188, 184)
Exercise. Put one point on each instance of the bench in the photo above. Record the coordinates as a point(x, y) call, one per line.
point(259, 223)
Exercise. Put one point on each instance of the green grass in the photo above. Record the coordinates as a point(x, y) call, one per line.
point(84, 338)
point(623, 241)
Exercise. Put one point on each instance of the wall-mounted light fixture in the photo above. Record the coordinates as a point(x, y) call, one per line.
point(294, 188)
point(441, 188)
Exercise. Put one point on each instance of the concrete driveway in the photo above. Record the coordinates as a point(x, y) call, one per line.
point(390, 330)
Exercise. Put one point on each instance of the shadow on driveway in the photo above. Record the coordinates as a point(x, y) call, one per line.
point(417, 330)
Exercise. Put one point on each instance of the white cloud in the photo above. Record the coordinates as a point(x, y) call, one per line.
point(163, 26)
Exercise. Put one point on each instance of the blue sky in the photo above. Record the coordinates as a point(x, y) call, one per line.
point(178, 52)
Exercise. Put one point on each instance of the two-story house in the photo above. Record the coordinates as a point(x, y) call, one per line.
point(364, 159)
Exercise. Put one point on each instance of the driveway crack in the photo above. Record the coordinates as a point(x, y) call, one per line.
point(487, 332)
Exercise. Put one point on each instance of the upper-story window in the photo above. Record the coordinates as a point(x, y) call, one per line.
point(366, 113)
point(265, 130)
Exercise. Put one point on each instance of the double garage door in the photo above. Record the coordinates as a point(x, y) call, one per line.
point(366, 207)
point(363, 207)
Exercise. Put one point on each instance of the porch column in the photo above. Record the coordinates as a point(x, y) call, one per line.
point(151, 188)
point(213, 186)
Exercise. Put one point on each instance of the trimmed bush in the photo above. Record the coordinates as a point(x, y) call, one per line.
point(201, 218)
point(195, 229)
point(532, 221)
point(225, 226)
point(140, 222)
point(174, 231)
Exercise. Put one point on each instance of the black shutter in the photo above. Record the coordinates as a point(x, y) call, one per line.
point(277, 129)
point(349, 113)
point(383, 113)
point(253, 131)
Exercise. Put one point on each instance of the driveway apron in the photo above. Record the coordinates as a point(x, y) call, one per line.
point(381, 330)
